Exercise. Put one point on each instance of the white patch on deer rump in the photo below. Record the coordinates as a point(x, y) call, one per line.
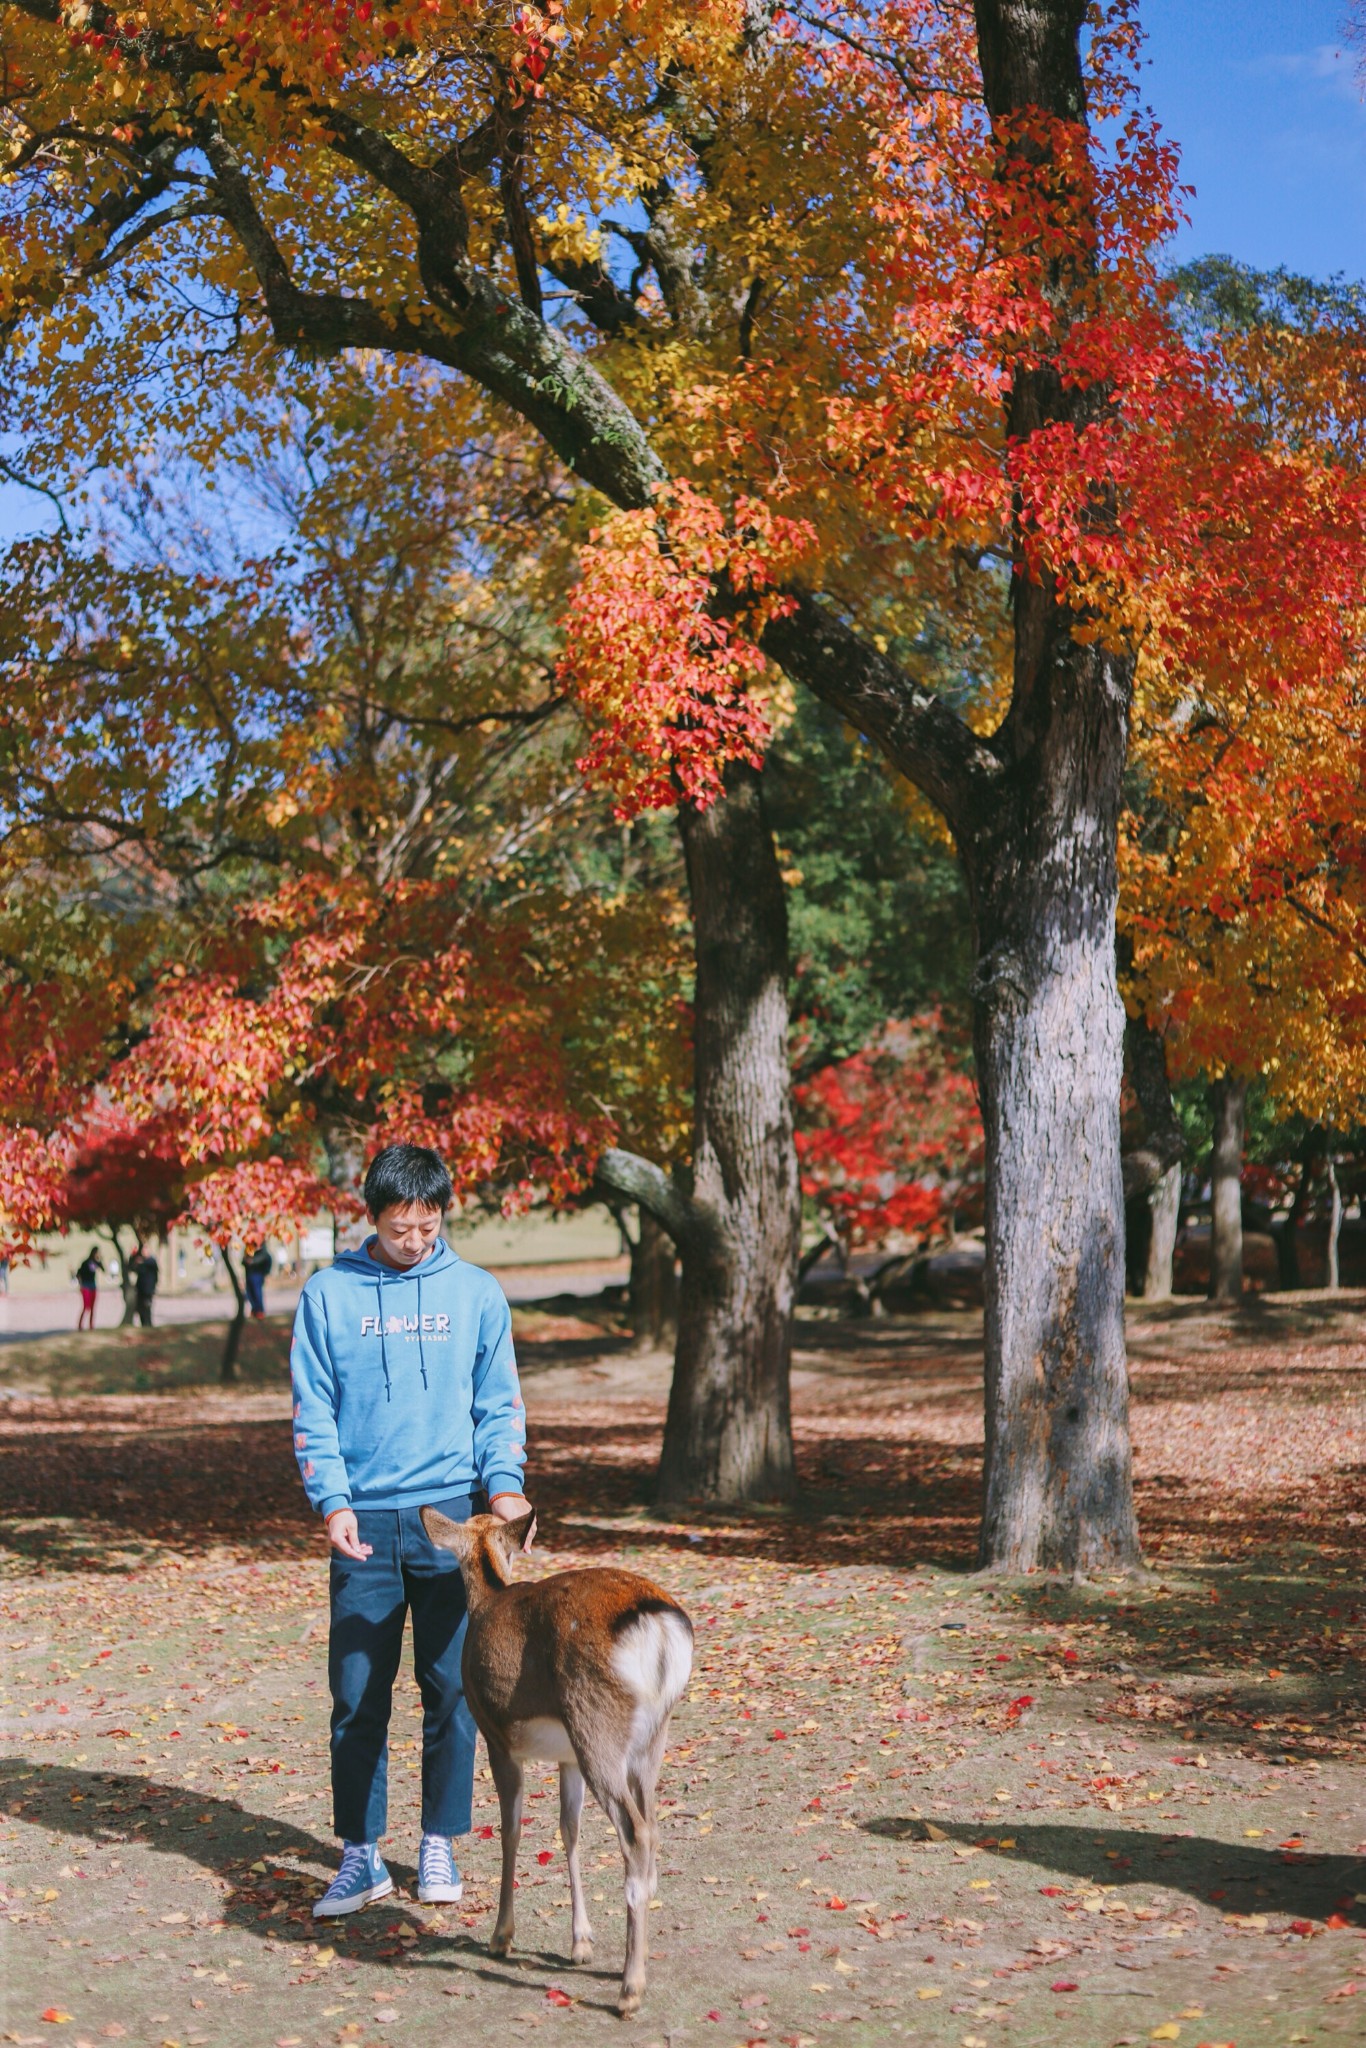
point(653, 1659)
point(544, 1738)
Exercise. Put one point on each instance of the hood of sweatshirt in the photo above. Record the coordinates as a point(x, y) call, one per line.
point(405, 1383)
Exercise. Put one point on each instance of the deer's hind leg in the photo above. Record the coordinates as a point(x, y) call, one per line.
point(571, 1810)
point(507, 1777)
point(614, 1795)
point(642, 1775)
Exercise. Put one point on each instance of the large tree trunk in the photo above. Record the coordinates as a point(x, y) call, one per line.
point(1049, 1024)
point(1049, 1037)
point(1229, 1099)
point(126, 1284)
point(729, 1430)
point(728, 1435)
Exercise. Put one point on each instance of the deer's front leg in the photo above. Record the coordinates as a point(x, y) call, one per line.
point(571, 1809)
point(507, 1776)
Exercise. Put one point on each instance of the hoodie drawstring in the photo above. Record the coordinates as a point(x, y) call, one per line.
point(383, 1340)
point(384, 1335)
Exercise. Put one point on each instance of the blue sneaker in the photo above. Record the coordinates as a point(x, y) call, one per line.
point(438, 1880)
point(362, 1877)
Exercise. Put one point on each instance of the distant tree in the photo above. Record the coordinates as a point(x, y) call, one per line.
point(1243, 858)
point(244, 1205)
point(122, 1175)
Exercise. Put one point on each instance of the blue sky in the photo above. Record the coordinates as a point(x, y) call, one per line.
point(1264, 100)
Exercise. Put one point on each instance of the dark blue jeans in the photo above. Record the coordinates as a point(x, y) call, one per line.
point(370, 1600)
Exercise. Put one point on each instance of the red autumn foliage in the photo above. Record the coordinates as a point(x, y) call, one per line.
point(336, 993)
point(667, 677)
point(122, 1172)
point(891, 1140)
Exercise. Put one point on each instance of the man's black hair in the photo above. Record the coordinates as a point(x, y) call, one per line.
point(407, 1173)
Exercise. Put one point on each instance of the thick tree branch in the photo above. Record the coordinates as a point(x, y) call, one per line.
point(515, 213)
point(641, 1181)
point(489, 337)
point(921, 734)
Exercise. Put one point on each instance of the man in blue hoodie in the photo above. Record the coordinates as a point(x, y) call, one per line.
point(405, 1396)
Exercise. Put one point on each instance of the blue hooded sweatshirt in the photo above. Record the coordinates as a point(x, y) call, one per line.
point(405, 1386)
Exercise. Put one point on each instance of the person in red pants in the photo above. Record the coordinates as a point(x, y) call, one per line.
point(88, 1280)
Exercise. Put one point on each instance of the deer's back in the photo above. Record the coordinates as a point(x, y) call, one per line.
point(542, 1651)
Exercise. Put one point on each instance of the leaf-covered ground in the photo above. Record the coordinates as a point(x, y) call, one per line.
point(902, 1804)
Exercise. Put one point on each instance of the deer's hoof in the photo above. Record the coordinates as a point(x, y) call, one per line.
point(500, 1944)
point(582, 1951)
point(628, 2003)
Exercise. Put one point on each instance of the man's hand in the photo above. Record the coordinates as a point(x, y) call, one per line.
point(510, 1507)
point(343, 1534)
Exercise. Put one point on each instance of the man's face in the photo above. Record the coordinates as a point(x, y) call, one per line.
point(405, 1233)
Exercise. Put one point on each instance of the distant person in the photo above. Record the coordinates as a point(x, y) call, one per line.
point(146, 1273)
point(258, 1272)
point(88, 1280)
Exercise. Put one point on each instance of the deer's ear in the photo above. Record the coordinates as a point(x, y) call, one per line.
point(441, 1530)
point(515, 1536)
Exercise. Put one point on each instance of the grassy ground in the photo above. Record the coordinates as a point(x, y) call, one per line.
point(903, 1804)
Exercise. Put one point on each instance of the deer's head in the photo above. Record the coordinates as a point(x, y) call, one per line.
point(485, 1545)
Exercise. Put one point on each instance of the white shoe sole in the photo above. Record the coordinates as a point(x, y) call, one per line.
point(333, 1909)
point(440, 1894)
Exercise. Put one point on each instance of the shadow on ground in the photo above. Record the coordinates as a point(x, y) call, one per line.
point(1232, 1875)
point(122, 1809)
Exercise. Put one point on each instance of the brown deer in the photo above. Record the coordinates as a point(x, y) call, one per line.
point(581, 1670)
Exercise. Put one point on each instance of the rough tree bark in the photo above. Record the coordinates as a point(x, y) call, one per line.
point(1049, 1041)
point(1228, 1098)
point(1049, 1024)
point(728, 1435)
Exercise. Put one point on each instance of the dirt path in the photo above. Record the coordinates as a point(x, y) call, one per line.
point(903, 1804)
